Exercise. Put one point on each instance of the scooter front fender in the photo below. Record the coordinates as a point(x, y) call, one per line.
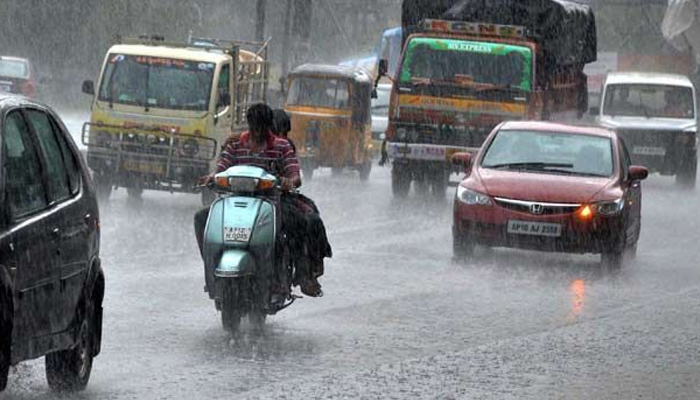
point(235, 263)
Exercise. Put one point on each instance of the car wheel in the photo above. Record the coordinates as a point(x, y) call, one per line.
point(400, 183)
point(231, 311)
point(687, 174)
point(69, 370)
point(5, 332)
point(365, 170)
point(462, 248)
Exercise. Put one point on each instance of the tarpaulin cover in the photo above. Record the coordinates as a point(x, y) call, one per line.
point(566, 29)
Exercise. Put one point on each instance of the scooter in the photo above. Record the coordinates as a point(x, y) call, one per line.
point(247, 265)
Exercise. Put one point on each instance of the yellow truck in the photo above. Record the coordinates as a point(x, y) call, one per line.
point(162, 110)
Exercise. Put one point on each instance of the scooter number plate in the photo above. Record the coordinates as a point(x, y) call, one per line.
point(237, 234)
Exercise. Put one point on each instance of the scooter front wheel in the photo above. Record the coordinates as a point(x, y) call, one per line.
point(231, 305)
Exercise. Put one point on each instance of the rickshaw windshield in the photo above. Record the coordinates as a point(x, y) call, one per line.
point(319, 92)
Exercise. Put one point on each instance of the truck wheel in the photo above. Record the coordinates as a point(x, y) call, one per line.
point(231, 310)
point(307, 171)
point(400, 183)
point(69, 370)
point(365, 170)
point(687, 174)
point(439, 184)
point(103, 188)
point(5, 332)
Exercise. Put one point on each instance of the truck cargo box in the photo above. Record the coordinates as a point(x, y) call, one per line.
point(565, 29)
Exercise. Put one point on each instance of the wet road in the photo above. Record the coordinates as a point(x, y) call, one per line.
point(399, 319)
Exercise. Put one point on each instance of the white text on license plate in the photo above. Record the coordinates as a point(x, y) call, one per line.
point(237, 234)
point(649, 151)
point(534, 228)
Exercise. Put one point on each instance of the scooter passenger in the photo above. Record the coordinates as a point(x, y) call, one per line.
point(261, 148)
point(319, 246)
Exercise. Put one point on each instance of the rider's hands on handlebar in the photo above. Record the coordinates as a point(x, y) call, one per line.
point(206, 180)
point(287, 184)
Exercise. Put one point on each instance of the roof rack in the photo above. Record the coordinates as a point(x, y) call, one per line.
point(225, 46)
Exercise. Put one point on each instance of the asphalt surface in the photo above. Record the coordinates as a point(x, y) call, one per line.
point(399, 319)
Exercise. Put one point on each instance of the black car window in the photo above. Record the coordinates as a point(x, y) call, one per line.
point(69, 159)
point(25, 191)
point(57, 174)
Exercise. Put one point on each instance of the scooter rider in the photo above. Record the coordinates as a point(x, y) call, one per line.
point(260, 147)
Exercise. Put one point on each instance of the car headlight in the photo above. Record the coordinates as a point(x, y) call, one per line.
point(609, 208)
point(472, 198)
point(401, 134)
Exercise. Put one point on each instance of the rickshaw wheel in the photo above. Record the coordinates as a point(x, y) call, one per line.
point(365, 171)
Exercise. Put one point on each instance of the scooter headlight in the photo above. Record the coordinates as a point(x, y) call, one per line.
point(472, 198)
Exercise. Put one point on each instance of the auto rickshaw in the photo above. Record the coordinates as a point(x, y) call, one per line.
point(330, 110)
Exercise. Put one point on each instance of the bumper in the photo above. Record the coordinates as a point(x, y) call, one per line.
point(488, 225)
point(424, 152)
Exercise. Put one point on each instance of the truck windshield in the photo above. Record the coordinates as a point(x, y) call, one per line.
point(157, 82)
point(478, 64)
point(550, 152)
point(650, 101)
point(319, 92)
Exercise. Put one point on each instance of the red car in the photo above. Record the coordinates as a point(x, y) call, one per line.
point(16, 76)
point(549, 187)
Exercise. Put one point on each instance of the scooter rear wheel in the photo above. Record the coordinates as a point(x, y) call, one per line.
point(231, 311)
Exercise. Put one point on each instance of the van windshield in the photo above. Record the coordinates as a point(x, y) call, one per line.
point(157, 82)
point(319, 92)
point(467, 62)
point(650, 101)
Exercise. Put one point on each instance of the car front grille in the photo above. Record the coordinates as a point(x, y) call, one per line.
point(537, 208)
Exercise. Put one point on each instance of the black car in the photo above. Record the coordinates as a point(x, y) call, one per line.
point(51, 281)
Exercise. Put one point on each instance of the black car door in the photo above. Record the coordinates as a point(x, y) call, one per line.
point(633, 195)
point(28, 241)
point(64, 195)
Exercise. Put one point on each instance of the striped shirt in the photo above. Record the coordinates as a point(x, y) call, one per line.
point(278, 158)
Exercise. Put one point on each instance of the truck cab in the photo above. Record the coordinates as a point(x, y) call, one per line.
point(656, 116)
point(456, 81)
point(162, 109)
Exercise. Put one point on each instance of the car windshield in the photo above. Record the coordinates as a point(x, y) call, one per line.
point(157, 82)
point(380, 105)
point(13, 68)
point(550, 152)
point(468, 63)
point(650, 101)
point(319, 92)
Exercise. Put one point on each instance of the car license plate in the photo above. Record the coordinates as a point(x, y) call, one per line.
point(146, 168)
point(649, 151)
point(237, 234)
point(534, 228)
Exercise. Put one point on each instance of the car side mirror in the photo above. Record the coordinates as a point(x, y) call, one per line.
point(224, 100)
point(638, 173)
point(462, 161)
point(89, 87)
point(594, 110)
